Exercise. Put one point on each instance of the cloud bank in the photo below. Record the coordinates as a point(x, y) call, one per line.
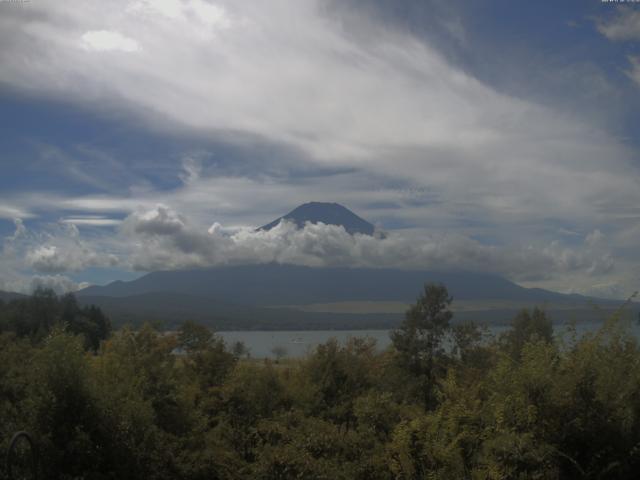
point(165, 239)
point(160, 238)
point(30, 259)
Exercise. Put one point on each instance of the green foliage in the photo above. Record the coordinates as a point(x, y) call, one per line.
point(527, 327)
point(419, 340)
point(337, 376)
point(34, 317)
point(207, 361)
point(182, 406)
point(63, 407)
point(193, 337)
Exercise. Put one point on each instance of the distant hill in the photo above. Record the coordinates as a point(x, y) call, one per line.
point(327, 213)
point(278, 284)
point(170, 310)
point(8, 296)
point(265, 296)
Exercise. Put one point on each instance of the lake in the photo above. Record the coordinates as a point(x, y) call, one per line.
point(298, 343)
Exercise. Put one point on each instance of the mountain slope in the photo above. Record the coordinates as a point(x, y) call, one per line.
point(327, 213)
point(171, 309)
point(8, 296)
point(267, 297)
point(276, 284)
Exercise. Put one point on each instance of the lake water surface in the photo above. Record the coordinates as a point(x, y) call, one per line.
point(299, 343)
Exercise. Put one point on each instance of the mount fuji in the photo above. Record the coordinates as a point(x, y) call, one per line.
point(327, 213)
point(282, 296)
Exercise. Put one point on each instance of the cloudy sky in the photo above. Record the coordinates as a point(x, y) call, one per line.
point(497, 136)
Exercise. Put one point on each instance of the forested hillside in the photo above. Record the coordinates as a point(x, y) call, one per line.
point(143, 404)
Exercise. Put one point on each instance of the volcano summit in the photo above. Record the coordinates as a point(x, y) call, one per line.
point(327, 213)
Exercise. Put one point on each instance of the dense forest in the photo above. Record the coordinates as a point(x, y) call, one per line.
point(446, 401)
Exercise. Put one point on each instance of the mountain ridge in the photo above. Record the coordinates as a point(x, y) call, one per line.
point(8, 296)
point(283, 284)
point(268, 297)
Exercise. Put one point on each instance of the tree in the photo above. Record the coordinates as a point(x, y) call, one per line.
point(419, 339)
point(88, 321)
point(193, 337)
point(525, 328)
point(338, 375)
point(279, 352)
point(36, 316)
point(240, 350)
point(65, 418)
point(467, 338)
point(206, 356)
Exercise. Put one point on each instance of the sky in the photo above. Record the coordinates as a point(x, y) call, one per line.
point(495, 136)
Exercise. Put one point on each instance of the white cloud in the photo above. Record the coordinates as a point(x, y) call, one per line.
point(158, 221)
point(71, 257)
point(166, 240)
point(91, 220)
point(94, 203)
point(46, 259)
point(20, 230)
point(622, 27)
point(57, 249)
point(10, 212)
point(105, 41)
point(58, 283)
point(607, 290)
point(26, 284)
point(594, 238)
point(625, 26)
point(187, 11)
point(192, 170)
point(31, 259)
point(634, 72)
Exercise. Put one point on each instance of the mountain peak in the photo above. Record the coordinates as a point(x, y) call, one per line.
point(325, 212)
